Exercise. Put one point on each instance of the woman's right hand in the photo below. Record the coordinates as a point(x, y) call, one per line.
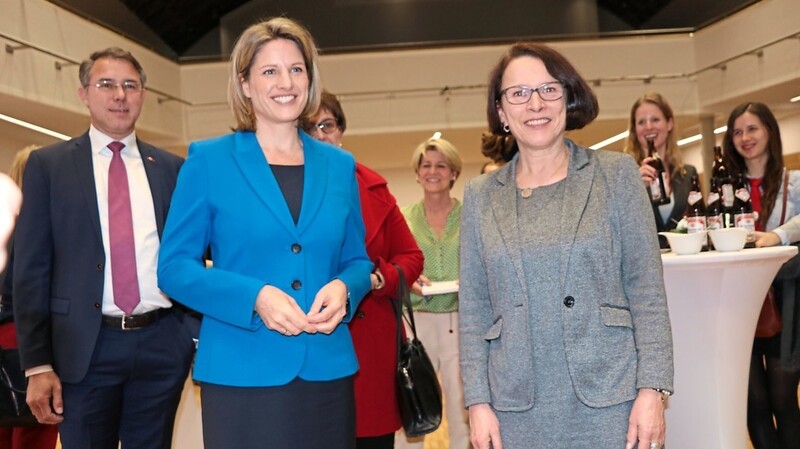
point(647, 171)
point(416, 287)
point(484, 428)
point(281, 313)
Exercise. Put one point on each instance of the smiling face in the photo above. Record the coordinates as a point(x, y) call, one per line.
point(651, 123)
point(324, 116)
point(750, 138)
point(434, 174)
point(537, 124)
point(277, 84)
point(114, 112)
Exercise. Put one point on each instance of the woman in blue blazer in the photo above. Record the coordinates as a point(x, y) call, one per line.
point(279, 212)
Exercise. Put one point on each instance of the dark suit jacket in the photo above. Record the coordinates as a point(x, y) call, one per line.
point(59, 257)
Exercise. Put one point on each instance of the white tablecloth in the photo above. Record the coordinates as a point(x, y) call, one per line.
point(714, 302)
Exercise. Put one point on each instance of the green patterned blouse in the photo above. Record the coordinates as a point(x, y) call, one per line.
point(441, 255)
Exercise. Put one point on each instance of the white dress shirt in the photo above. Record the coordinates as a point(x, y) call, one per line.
point(145, 232)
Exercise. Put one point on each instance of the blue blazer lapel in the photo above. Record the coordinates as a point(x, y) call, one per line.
point(315, 180)
point(84, 171)
point(256, 172)
point(504, 208)
point(580, 177)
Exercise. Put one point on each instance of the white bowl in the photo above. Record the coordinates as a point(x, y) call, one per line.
point(728, 239)
point(685, 244)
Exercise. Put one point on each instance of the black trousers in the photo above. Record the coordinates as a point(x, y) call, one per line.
point(132, 389)
point(299, 415)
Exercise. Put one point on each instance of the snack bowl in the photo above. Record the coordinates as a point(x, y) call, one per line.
point(685, 244)
point(728, 239)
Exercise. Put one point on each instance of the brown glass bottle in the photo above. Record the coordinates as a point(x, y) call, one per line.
point(724, 181)
point(696, 209)
point(743, 216)
point(657, 189)
point(714, 218)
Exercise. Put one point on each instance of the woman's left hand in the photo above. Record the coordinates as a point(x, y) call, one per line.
point(646, 423)
point(330, 306)
point(765, 239)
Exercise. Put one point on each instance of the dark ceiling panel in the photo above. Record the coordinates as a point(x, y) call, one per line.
point(205, 29)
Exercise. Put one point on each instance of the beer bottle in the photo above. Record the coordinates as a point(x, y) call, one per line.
point(714, 219)
point(657, 190)
point(720, 173)
point(696, 210)
point(743, 210)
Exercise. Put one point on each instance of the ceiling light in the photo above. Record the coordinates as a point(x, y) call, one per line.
point(33, 127)
point(795, 99)
point(436, 136)
point(609, 141)
point(697, 137)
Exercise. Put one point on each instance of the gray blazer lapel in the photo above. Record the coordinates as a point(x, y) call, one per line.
point(84, 171)
point(580, 177)
point(257, 173)
point(504, 208)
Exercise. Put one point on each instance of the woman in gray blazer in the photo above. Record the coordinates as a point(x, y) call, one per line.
point(565, 334)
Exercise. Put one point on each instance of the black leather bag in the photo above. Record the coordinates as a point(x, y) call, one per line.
point(14, 412)
point(418, 390)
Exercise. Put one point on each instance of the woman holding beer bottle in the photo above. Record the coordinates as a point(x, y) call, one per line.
point(753, 148)
point(651, 141)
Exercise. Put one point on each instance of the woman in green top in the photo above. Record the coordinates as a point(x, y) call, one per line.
point(434, 223)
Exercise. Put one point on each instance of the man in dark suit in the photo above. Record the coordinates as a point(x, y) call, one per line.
point(105, 351)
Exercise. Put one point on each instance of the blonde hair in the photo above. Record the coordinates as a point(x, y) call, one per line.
point(20, 161)
point(634, 147)
point(244, 52)
point(448, 150)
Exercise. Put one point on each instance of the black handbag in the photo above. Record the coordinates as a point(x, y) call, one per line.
point(14, 411)
point(418, 391)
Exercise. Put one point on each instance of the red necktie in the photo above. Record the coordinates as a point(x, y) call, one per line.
point(755, 199)
point(120, 234)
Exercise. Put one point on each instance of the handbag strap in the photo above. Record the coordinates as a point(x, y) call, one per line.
point(403, 300)
point(785, 190)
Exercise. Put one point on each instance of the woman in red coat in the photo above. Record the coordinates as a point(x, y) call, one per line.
point(373, 328)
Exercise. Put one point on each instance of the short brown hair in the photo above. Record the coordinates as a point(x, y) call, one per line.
point(581, 102)
point(85, 69)
point(244, 52)
point(331, 103)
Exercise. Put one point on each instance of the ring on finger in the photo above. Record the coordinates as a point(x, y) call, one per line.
point(654, 446)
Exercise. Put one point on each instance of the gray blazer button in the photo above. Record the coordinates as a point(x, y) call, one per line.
point(569, 301)
point(296, 248)
point(97, 305)
point(99, 267)
point(296, 285)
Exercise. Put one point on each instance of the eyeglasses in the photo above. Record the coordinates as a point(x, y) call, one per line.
point(109, 86)
point(522, 94)
point(328, 126)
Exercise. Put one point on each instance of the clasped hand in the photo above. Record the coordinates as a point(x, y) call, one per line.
point(280, 312)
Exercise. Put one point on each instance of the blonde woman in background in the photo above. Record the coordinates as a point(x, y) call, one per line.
point(41, 436)
point(434, 221)
point(652, 118)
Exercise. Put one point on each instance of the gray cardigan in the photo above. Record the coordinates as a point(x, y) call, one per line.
point(615, 321)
